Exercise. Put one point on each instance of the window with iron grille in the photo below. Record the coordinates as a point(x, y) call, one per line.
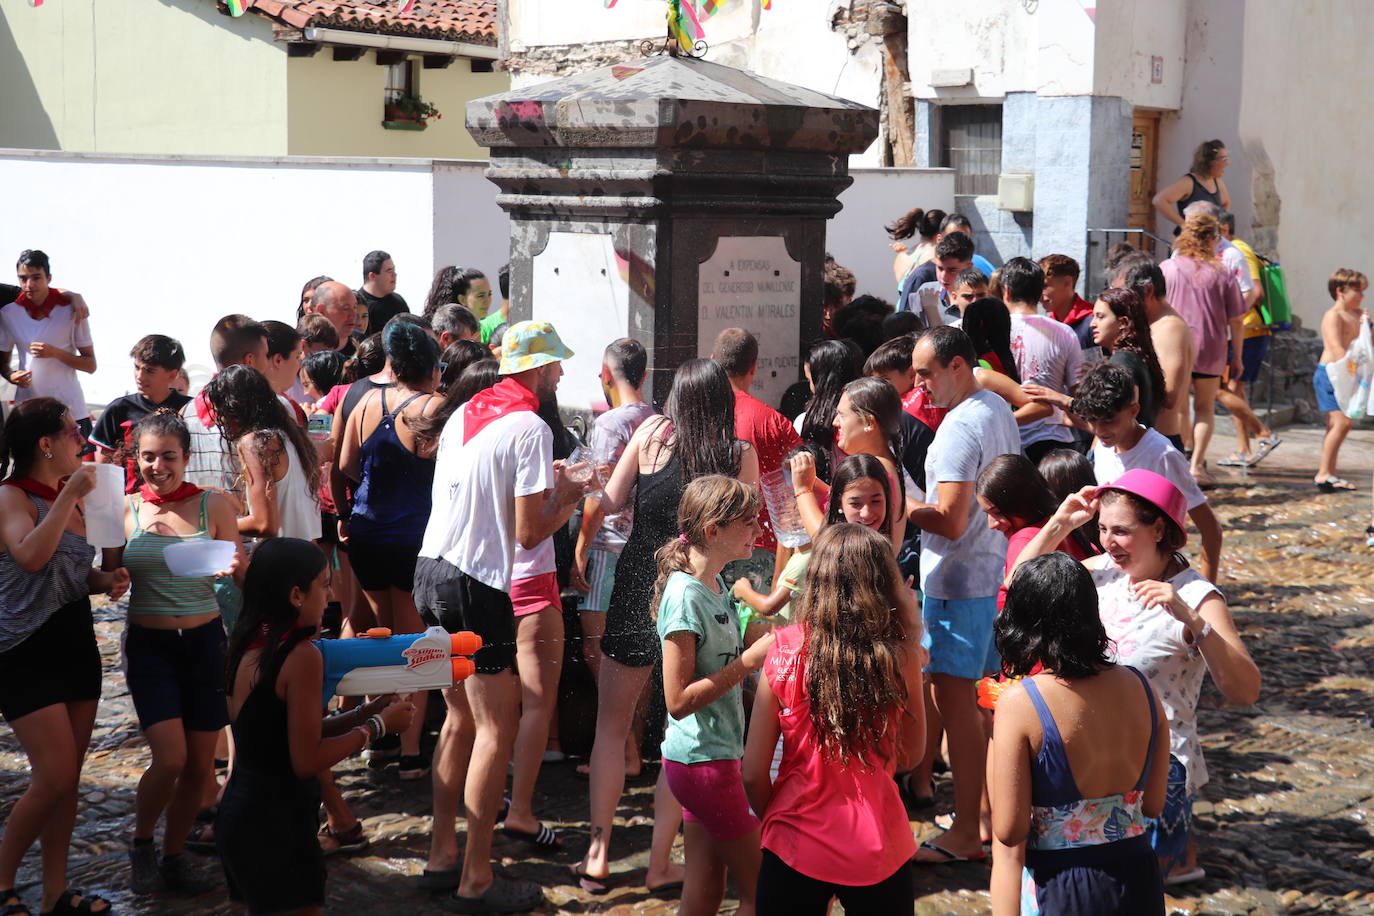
point(971, 144)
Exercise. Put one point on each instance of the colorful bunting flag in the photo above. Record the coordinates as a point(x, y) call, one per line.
point(35, 2)
point(405, 6)
point(610, 3)
point(683, 24)
point(236, 7)
point(711, 7)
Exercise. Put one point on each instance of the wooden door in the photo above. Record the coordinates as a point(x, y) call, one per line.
point(1144, 166)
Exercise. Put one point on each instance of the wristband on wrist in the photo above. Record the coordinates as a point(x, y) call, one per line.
point(377, 723)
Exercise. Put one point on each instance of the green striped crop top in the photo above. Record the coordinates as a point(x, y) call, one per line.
point(154, 590)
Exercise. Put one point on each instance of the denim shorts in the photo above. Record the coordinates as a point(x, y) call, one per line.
point(1326, 394)
point(960, 633)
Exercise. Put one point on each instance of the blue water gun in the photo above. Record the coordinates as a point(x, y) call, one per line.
point(376, 663)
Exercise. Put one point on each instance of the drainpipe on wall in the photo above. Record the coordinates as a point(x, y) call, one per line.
point(433, 46)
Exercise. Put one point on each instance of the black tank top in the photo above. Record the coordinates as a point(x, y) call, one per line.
point(1199, 192)
point(262, 748)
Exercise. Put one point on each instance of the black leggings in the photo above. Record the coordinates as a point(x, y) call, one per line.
point(784, 891)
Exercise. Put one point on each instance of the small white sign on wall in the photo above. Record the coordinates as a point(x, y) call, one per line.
point(582, 289)
point(751, 282)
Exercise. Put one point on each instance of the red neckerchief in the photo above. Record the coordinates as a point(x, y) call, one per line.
point(1079, 309)
point(505, 397)
point(916, 403)
point(185, 491)
point(33, 487)
point(203, 411)
point(39, 312)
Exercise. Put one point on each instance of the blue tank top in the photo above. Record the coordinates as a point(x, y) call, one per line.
point(393, 500)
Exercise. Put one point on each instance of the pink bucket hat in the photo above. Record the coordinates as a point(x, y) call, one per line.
point(1157, 490)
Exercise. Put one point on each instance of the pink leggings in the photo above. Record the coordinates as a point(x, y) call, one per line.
point(712, 794)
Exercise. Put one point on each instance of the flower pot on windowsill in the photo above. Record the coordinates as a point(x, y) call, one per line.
point(404, 123)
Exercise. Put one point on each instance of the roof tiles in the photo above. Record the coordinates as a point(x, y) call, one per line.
point(453, 20)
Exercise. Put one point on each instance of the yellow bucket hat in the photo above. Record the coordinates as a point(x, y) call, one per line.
point(529, 345)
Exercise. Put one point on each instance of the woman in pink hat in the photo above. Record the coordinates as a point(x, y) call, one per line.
point(1164, 619)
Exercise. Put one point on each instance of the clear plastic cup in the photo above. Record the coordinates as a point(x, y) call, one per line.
point(104, 507)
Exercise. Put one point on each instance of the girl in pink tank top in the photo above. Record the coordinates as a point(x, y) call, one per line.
point(843, 689)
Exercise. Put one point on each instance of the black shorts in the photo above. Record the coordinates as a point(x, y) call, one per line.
point(1198, 375)
point(177, 674)
point(448, 597)
point(379, 567)
point(58, 663)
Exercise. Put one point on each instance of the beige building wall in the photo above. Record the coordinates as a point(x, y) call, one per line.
point(172, 76)
point(335, 108)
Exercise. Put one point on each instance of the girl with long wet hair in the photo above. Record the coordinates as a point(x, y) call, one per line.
point(830, 366)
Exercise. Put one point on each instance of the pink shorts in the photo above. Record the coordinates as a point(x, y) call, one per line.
point(534, 594)
point(712, 794)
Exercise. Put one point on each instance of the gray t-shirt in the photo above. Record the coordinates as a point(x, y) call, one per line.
point(971, 435)
point(610, 434)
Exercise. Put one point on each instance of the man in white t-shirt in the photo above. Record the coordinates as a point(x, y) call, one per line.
point(53, 339)
point(495, 484)
point(1047, 353)
point(1108, 400)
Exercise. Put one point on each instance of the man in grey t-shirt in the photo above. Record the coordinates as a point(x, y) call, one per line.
point(961, 567)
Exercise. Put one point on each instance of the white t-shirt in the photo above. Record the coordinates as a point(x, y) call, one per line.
point(1153, 453)
point(536, 562)
point(52, 378)
point(1237, 264)
point(1151, 639)
point(1047, 353)
point(472, 521)
point(977, 430)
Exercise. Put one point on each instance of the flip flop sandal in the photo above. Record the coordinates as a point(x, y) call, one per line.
point(1333, 484)
point(504, 896)
point(594, 886)
point(1237, 460)
point(949, 857)
point(543, 838)
point(351, 840)
point(201, 839)
point(1265, 447)
point(11, 904)
point(442, 879)
point(1185, 877)
point(665, 889)
point(65, 907)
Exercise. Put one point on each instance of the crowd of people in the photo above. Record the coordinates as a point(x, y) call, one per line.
point(991, 484)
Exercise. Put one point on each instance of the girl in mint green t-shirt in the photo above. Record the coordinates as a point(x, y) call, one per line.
point(704, 662)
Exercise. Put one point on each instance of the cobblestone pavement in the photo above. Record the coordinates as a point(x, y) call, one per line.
point(1283, 827)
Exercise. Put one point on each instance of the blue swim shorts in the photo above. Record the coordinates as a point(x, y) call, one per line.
point(960, 634)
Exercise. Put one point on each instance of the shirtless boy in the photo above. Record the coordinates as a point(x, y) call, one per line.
point(1340, 326)
point(1172, 339)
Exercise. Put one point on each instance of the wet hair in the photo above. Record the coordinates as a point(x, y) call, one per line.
point(701, 406)
point(412, 352)
point(324, 368)
point(956, 222)
point(948, 342)
point(1147, 513)
point(453, 318)
point(1205, 156)
point(877, 399)
point(1107, 389)
point(243, 404)
point(475, 372)
point(478, 376)
point(1117, 254)
point(503, 280)
point(1057, 265)
point(917, 222)
point(736, 350)
point(838, 282)
point(367, 360)
point(32, 257)
point(278, 566)
point(900, 324)
point(457, 356)
point(450, 284)
point(282, 339)
point(1344, 277)
point(1198, 239)
point(162, 423)
point(853, 468)
point(159, 350)
point(233, 338)
point(28, 422)
point(861, 321)
point(1068, 471)
point(971, 277)
point(833, 364)
point(954, 245)
point(1022, 281)
point(1016, 489)
point(856, 644)
point(712, 499)
point(628, 360)
point(987, 323)
point(1142, 274)
point(1051, 619)
point(893, 356)
point(1129, 309)
point(318, 331)
point(372, 263)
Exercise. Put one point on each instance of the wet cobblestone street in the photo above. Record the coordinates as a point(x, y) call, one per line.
point(1283, 826)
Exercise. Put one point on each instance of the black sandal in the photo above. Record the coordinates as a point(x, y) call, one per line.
point(11, 904)
point(65, 907)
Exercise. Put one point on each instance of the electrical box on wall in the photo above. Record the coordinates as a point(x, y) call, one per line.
point(1016, 192)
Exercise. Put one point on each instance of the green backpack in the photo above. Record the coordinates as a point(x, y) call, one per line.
point(1274, 308)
